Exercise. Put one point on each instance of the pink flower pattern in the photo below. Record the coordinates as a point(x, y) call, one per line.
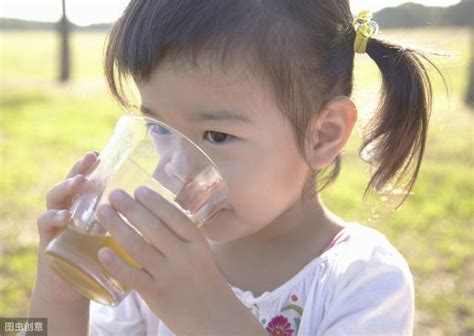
point(279, 326)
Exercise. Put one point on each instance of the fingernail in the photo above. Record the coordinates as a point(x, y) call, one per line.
point(90, 155)
point(104, 210)
point(93, 155)
point(142, 191)
point(117, 196)
point(104, 255)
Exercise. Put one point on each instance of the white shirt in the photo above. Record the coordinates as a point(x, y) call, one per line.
point(360, 286)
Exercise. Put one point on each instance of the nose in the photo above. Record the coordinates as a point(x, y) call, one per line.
point(176, 164)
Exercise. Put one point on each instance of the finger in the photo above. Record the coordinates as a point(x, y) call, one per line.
point(157, 232)
point(59, 195)
point(128, 238)
point(50, 221)
point(131, 277)
point(82, 165)
point(177, 221)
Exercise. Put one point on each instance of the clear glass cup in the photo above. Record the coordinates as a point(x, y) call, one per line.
point(141, 152)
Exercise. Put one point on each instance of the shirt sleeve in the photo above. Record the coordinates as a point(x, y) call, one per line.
point(371, 298)
point(124, 319)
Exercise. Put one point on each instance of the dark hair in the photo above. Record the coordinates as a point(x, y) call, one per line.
point(302, 49)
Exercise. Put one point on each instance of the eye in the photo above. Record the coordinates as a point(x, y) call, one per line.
point(217, 137)
point(157, 129)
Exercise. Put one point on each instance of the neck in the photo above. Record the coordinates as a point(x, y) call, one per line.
point(304, 222)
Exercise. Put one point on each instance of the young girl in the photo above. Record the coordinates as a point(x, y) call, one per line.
point(263, 88)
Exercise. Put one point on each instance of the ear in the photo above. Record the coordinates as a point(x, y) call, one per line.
point(329, 131)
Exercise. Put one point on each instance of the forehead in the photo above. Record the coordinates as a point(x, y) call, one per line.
point(189, 87)
point(178, 95)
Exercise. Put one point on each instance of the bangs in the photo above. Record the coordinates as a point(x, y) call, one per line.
point(224, 32)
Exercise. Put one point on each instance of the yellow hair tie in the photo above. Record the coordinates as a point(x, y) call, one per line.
point(365, 28)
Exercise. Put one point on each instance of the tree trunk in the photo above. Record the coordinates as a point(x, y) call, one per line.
point(64, 29)
point(470, 87)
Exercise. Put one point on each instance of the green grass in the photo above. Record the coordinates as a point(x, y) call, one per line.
point(45, 127)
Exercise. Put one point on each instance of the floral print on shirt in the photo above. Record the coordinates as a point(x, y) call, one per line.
point(279, 325)
point(287, 322)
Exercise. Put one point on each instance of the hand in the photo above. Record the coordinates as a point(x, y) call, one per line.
point(49, 286)
point(179, 280)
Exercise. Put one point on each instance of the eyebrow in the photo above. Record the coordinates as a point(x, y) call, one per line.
point(221, 115)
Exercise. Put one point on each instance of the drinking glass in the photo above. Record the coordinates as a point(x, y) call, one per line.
point(141, 152)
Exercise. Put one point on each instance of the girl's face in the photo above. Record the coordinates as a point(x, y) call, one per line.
point(235, 120)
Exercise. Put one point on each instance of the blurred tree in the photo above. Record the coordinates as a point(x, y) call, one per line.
point(470, 87)
point(64, 30)
point(411, 15)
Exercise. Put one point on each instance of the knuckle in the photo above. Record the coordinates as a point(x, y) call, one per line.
point(138, 248)
point(140, 282)
point(173, 218)
point(40, 220)
point(64, 185)
point(45, 218)
point(52, 218)
point(58, 193)
point(73, 182)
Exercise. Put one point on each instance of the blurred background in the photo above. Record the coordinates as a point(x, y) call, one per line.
point(54, 107)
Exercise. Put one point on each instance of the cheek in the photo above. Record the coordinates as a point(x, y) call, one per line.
point(264, 186)
point(260, 190)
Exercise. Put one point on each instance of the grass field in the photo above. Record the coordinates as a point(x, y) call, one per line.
point(45, 127)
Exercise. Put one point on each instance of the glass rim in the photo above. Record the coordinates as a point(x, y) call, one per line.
point(142, 117)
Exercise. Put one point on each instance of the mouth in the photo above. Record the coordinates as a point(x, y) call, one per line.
point(215, 214)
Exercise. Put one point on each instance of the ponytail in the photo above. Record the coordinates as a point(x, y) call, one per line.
point(395, 138)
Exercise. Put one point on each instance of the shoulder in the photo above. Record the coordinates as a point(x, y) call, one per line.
point(372, 286)
point(365, 245)
point(368, 258)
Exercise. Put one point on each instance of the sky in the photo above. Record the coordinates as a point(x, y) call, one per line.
point(85, 12)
